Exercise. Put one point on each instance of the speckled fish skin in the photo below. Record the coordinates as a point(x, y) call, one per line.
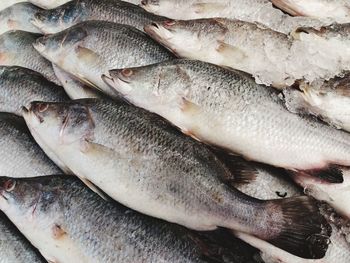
point(328, 100)
point(16, 49)
point(152, 168)
point(339, 10)
point(18, 17)
point(91, 48)
point(20, 86)
point(14, 247)
point(74, 12)
point(48, 3)
point(20, 155)
point(227, 108)
point(68, 213)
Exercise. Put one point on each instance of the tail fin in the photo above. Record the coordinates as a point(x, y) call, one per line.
point(304, 232)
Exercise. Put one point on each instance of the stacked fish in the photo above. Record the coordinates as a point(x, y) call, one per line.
point(175, 131)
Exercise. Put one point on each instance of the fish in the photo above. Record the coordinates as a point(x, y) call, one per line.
point(19, 86)
point(339, 11)
point(156, 170)
point(55, 20)
point(16, 50)
point(89, 49)
point(327, 100)
point(14, 246)
point(273, 58)
point(253, 11)
point(75, 88)
point(46, 4)
point(67, 222)
point(7, 3)
point(20, 155)
point(227, 109)
point(17, 17)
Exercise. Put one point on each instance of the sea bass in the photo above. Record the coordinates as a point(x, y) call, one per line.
point(55, 20)
point(228, 109)
point(16, 49)
point(20, 155)
point(154, 169)
point(67, 222)
point(91, 48)
point(14, 247)
point(339, 10)
point(18, 17)
point(272, 58)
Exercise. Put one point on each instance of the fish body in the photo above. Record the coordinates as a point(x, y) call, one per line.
point(89, 49)
point(273, 58)
point(228, 109)
point(16, 49)
point(167, 174)
point(69, 223)
point(7, 3)
point(47, 4)
point(14, 247)
point(55, 20)
point(17, 17)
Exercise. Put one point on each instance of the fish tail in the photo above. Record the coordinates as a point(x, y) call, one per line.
point(303, 231)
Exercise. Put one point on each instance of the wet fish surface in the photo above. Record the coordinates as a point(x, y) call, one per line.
point(14, 247)
point(48, 3)
point(228, 109)
point(91, 48)
point(74, 12)
point(69, 223)
point(7, 3)
point(17, 17)
point(177, 178)
point(20, 155)
point(16, 49)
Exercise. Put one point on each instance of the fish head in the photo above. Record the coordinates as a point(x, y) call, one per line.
point(51, 21)
point(185, 37)
point(151, 85)
point(58, 46)
point(60, 124)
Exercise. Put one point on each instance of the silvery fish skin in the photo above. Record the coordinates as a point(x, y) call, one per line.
point(20, 86)
point(260, 11)
point(20, 155)
point(55, 20)
point(16, 49)
point(14, 247)
point(328, 100)
point(272, 58)
point(48, 3)
point(67, 222)
point(228, 109)
point(339, 10)
point(154, 169)
point(18, 17)
point(7, 3)
point(91, 48)
point(73, 87)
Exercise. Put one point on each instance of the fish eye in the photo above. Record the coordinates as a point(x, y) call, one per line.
point(9, 185)
point(127, 72)
point(43, 107)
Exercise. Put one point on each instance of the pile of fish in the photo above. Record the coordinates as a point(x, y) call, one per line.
point(175, 131)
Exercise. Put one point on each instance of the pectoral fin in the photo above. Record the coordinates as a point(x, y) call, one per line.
point(230, 53)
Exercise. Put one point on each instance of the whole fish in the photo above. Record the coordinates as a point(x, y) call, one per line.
point(76, 11)
point(14, 247)
point(152, 168)
point(91, 48)
point(18, 17)
point(271, 57)
point(260, 11)
point(69, 223)
point(228, 109)
point(73, 87)
point(19, 86)
point(339, 10)
point(7, 3)
point(48, 3)
point(16, 49)
point(20, 155)
point(328, 100)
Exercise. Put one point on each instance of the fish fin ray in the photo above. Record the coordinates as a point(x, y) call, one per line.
point(230, 52)
point(331, 174)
